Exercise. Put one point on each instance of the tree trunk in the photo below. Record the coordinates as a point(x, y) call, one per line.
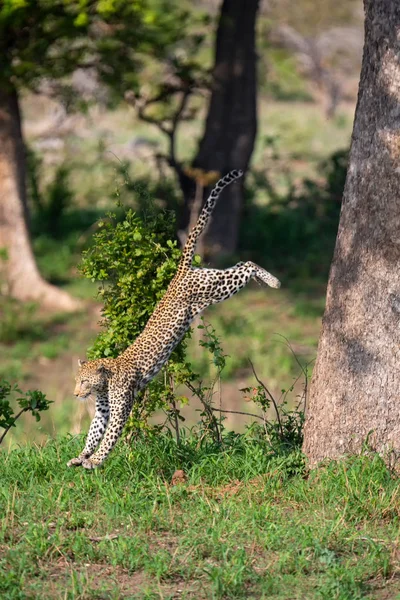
point(355, 390)
point(231, 124)
point(19, 275)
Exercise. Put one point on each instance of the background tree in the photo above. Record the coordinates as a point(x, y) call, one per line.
point(50, 40)
point(355, 388)
point(231, 123)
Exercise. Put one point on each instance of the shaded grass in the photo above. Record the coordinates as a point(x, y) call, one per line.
point(251, 326)
point(28, 335)
point(303, 134)
point(245, 525)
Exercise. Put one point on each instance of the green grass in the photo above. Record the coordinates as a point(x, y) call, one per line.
point(244, 525)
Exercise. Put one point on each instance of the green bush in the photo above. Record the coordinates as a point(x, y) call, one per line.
point(31, 401)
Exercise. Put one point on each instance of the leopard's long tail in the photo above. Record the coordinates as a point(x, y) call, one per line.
point(188, 251)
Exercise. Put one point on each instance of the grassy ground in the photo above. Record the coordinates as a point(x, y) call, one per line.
point(300, 133)
point(244, 524)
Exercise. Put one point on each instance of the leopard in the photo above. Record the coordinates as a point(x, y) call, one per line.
point(115, 382)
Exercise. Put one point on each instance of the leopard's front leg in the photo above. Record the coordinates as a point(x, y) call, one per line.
point(96, 431)
point(120, 408)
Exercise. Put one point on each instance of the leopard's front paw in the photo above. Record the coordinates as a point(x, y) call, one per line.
point(76, 462)
point(90, 463)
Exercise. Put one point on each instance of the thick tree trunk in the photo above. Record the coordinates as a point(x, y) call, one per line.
point(355, 390)
point(231, 124)
point(19, 276)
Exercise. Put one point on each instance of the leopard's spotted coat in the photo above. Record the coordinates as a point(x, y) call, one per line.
point(116, 381)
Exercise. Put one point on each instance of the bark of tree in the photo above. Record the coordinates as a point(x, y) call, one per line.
point(231, 123)
point(19, 275)
point(355, 389)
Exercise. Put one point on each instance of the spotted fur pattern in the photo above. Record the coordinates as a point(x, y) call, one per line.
point(116, 381)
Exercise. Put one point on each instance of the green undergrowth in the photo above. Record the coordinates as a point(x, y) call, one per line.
point(243, 524)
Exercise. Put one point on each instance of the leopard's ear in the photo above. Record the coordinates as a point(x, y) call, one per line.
point(81, 362)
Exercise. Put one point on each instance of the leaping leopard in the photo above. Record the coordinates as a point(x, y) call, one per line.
point(116, 381)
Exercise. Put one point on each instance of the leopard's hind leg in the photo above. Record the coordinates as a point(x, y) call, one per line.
point(250, 270)
point(225, 283)
point(213, 285)
point(96, 431)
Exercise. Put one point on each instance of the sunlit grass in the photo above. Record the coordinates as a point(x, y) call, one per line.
point(244, 525)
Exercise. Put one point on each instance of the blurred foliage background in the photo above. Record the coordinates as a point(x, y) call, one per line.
point(114, 100)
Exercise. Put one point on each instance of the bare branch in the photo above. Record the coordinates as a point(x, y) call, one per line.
point(269, 395)
point(238, 412)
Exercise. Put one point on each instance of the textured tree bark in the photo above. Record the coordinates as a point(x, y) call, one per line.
point(19, 276)
point(231, 123)
point(355, 389)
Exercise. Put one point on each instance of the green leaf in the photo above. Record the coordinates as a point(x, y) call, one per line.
point(81, 20)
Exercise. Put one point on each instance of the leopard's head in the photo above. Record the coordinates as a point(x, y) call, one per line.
point(92, 378)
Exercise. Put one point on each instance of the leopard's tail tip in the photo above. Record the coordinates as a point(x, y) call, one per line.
point(275, 283)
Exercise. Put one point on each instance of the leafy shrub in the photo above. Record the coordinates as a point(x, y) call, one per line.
point(31, 401)
point(134, 261)
point(284, 434)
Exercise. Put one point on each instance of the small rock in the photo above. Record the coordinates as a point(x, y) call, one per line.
point(178, 477)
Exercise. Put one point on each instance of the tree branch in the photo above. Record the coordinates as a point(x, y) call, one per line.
point(238, 412)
